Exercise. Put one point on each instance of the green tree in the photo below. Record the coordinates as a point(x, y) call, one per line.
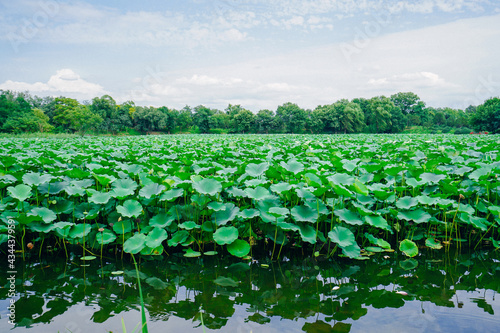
point(487, 116)
point(264, 121)
point(185, 118)
point(201, 118)
point(244, 121)
point(82, 119)
point(63, 112)
point(293, 117)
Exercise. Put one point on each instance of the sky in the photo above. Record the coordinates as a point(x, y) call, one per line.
point(256, 53)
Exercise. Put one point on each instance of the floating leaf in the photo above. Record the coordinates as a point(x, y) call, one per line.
point(238, 248)
point(409, 248)
point(433, 244)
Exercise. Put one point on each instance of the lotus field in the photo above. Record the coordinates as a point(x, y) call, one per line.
point(319, 195)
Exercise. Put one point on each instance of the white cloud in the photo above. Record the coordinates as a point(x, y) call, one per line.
point(63, 82)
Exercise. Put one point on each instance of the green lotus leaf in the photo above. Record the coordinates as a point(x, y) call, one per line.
point(418, 216)
point(225, 282)
point(189, 225)
point(406, 202)
point(135, 244)
point(208, 186)
point(225, 235)
point(258, 193)
point(224, 216)
point(35, 179)
point(352, 251)
point(378, 221)
point(414, 183)
point(236, 192)
point(44, 213)
point(279, 211)
point(72, 190)
point(172, 194)
point(293, 166)
point(480, 173)
point(431, 178)
point(393, 170)
point(341, 179)
point(88, 258)
point(342, 236)
point(360, 188)
point(79, 230)
point(122, 188)
point(377, 241)
point(179, 237)
point(249, 213)
point(216, 206)
point(341, 190)
point(409, 248)
point(495, 210)
point(312, 180)
point(21, 192)
point(156, 237)
point(427, 200)
point(161, 220)
point(280, 187)
point(190, 253)
point(104, 180)
point(374, 249)
point(150, 190)
point(122, 227)
point(105, 237)
point(256, 170)
point(239, 248)
point(41, 227)
point(307, 232)
point(288, 226)
point(348, 216)
point(433, 244)
point(99, 198)
point(130, 208)
point(304, 213)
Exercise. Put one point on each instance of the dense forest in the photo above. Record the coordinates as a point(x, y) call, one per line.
point(21, 112)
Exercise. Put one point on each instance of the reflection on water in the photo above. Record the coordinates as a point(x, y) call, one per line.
point(436, 292)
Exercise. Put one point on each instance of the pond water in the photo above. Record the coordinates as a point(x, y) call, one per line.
point(435, 292)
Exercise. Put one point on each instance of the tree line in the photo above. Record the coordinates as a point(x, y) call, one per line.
point(21, 112)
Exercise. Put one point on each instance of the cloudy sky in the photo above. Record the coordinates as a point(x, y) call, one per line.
point(257, 53)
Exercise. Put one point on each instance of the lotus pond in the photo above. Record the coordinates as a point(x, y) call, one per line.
point(437, 291)
point(208, 197)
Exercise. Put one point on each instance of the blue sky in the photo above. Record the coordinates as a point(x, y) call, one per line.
point(256, 53)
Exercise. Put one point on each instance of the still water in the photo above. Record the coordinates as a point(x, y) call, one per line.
point(435, 292)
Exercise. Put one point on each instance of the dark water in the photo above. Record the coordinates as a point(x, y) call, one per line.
point(436, 292)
